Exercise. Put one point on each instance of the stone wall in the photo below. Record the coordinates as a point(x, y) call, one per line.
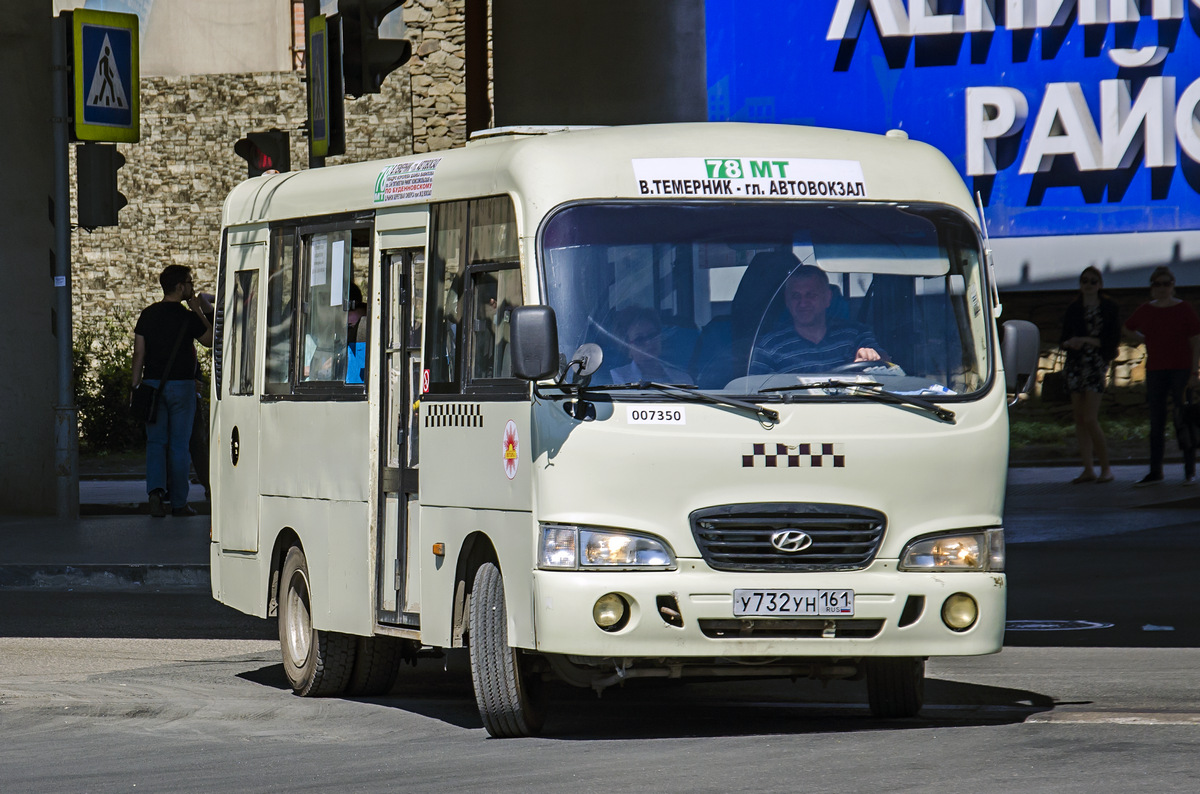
point(176, 178)
point(439, 98)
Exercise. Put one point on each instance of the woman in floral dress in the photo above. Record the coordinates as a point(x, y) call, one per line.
point(1091, 332)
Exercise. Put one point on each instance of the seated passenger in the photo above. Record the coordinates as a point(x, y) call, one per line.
point(357, 328)
point(814, 342)
point(642, 335)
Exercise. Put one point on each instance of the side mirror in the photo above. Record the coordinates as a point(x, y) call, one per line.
point(533, 342)
point(1019, 352)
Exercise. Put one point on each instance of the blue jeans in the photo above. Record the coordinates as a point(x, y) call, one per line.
point(1163, 385)
point(167, 457)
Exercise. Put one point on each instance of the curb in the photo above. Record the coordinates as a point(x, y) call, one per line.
point(111, 578)
point(131, 509)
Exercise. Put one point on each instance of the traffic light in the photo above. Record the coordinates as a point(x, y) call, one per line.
point(265, 151)
point(366, 58)
point(98, 200)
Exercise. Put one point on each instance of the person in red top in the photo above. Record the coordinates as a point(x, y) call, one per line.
point(1171, 330)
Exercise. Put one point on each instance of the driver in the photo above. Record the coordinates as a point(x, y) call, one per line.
point(814, 343)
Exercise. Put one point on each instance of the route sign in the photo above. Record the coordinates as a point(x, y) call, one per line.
point(105, 66)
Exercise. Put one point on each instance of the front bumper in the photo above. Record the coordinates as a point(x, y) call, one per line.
point(881, 626)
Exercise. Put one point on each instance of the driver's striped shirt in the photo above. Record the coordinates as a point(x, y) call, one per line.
point(787, 351)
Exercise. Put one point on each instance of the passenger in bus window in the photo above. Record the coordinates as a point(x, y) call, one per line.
point(815, 342)
point(641, 332)
point(357, 327)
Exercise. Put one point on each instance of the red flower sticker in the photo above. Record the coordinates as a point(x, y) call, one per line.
point(512, 449)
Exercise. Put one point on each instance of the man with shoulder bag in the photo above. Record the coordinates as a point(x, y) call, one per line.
point(164, 394)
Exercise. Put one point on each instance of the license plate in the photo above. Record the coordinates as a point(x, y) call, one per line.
point(793, 603)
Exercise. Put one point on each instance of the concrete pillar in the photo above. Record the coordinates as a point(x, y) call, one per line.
point(28, 385)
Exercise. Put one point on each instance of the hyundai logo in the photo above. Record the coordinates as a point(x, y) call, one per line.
point(790, 541)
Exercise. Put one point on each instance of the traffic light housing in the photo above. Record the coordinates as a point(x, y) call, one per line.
point(265, 151)
point(366, 58)
point(98, 201)
point(326, 100)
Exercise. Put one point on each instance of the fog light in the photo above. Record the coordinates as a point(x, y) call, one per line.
point(610, 612)
point(960, 612)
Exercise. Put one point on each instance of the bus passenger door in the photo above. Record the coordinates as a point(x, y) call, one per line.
point(234, 452)
point(399, 588)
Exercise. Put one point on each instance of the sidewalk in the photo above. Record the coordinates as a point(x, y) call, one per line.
point(117, 544)
point(114, 544)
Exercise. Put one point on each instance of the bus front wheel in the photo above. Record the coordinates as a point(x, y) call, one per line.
point(317, 663)
point(510, 699)
point(895, 687)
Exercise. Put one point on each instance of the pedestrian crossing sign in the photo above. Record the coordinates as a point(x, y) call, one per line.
point(106, 76)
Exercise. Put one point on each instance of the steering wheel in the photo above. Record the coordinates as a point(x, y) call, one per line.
point(887, 368)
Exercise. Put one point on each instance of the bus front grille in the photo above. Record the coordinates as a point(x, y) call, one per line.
point(799, 536)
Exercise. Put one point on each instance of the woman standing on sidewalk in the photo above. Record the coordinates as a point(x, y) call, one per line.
point(1090, 335)
point(1172, 333)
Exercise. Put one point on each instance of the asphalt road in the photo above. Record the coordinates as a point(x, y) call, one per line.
point(103, 715)
point(1096, 691)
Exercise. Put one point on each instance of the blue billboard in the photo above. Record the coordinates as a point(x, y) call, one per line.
point(1066, 116)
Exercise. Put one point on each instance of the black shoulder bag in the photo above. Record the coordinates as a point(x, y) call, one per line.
point(1187, 421)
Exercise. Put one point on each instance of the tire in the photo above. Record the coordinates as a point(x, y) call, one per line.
point(895, 687)
point(511, 702)
point(317, 663)
point(376, 662)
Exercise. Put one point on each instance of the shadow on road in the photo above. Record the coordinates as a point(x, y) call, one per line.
point(1131, 589)
point(163, 614)
point(644, 709)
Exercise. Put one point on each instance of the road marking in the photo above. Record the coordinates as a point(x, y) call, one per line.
point(1114, 718)
point(1055, 625)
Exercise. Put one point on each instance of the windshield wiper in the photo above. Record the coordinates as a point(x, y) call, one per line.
point(694, 393)
point(872, 390)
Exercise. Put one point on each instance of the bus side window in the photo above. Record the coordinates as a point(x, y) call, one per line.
point(467, 234)
point(494, 294)
point(332, 306)
point(280, 314)
point(445, 285)
point(243, 332)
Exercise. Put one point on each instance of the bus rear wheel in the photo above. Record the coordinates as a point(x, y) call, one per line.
point(376, 663)
point(511, 702)
point(895, 687)
point(317, 663)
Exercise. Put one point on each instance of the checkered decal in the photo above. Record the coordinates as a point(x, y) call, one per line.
point(453, 415)
point(796, 456)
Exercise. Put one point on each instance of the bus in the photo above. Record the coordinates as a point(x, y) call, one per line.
point(596, 404)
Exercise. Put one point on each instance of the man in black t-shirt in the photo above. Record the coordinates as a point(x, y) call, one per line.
point(161, 328)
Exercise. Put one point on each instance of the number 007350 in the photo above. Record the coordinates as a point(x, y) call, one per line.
point(656, 416)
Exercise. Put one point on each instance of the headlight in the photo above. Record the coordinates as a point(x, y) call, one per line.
point(570, 548)
point(960, 551)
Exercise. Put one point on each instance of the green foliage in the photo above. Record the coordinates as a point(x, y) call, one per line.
point(1040, 435)
point(102, 359)
point(1040, 430)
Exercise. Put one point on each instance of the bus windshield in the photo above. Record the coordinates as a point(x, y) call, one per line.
point(745, 297)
